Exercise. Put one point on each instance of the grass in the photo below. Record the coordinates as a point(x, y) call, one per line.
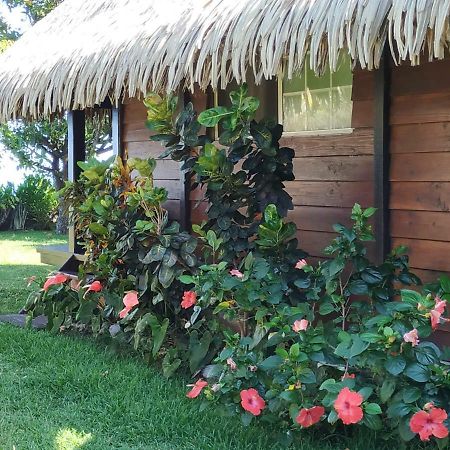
point(18, 261)
point(66, 393)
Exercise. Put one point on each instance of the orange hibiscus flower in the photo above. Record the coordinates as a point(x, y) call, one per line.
point(348, 406)
point(308, 417)
point(429, 424)
point(189, 299)
point(252, 402)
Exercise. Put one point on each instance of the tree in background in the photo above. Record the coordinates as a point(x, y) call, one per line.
point(42, 145)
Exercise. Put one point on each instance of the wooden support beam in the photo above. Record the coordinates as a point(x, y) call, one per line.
point(382, 157)
point(116, 126)
point(76, 126)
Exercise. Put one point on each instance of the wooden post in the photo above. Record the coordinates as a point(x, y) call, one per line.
point(76, 122)
point(116, 125)
point(382, 157)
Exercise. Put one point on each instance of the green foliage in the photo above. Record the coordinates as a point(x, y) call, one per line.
point(8, 201)
point(242, 176)
point(38, 198)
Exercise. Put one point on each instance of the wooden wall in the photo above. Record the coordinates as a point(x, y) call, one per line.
point(136, 143)
point(420, 165)
point(333, 172)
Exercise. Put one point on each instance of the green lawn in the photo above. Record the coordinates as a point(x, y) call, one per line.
point(18, 261)
point(62, 392)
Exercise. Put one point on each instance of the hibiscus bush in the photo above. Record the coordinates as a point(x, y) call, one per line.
point(265, 333)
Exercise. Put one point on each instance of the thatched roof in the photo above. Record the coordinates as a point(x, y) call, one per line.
point(87, 49)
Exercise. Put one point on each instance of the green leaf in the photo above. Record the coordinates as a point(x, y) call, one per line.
point(372, 408)
point(404, 431)
point(198, 349)
point(186, 279)
point(159, 332)
point(98, 229)
point(326, 308)
point(411, 297)
point(372, 421)
point(211, 117)
point(166, 275)
point(170, 367)
point(417, 372)
point(387, 389)
point(395, 365)
point(271, 363)
point(365, 392)
point(85, 312)
point(398, 409)
point(358, 346)
point(411, 394)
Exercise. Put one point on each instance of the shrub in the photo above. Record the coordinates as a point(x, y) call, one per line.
point(8, 201)
point(275, 338)
point(38, 199)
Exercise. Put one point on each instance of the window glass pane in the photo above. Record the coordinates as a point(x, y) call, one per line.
point(343, 75)
point(295, 84)
point(294, 112)
point(341, 116)
point(314, 82)
point(318, 112)
point(325, 103)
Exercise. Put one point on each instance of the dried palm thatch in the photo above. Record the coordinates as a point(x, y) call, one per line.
point(85, 51)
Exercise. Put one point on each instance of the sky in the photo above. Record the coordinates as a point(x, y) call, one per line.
point(9, 170)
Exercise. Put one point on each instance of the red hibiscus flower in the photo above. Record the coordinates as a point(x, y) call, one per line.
point(252, 402)
point(59, 278)
point(96, 286)
point(130, 301)
point(308, 417)
point(196, 388)
point(189, 299)
point(429, 424)
point(348, 406)
point(437, 312)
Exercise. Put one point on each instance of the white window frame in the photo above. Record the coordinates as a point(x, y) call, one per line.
point(335, 131)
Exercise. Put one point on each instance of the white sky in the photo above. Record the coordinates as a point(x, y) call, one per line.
point(9, 170)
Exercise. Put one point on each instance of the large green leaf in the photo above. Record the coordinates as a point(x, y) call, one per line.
point(198, 349)
point(211, 117)
point(395, 365)
point(159, 331)
point(417, 372)
point(98, 229)
point(166, 275)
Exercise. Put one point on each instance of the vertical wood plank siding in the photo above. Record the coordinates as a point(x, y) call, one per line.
point(420, 165)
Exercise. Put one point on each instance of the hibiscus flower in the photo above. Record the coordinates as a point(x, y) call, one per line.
point(308, 417)
point(412, 337)
point(300, 325)
point(231, 364)
point(196, 388)
point(437, 312)
point(301, 263)
point(236, 273)
point(59, 278)
point(189, 299)
point(429, 424)
point(348, 406)
point(252, 402)
point(130, 301)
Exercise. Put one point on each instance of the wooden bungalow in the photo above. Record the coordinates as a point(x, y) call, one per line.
point(361, 86)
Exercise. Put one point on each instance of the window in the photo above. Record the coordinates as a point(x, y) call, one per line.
point(311, 103)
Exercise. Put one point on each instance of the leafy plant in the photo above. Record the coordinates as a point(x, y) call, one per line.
point(241, 176)
point(38, 199)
